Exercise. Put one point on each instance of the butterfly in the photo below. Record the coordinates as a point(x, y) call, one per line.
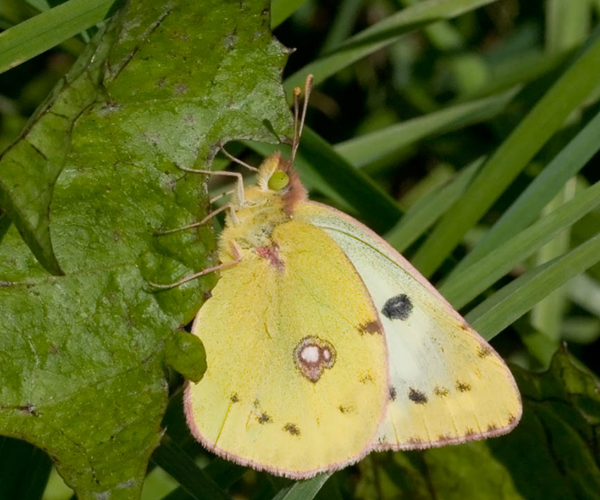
point(324, 344)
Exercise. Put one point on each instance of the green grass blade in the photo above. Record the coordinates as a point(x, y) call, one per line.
point(375, 206)
point(282, 9)
point(513, 155)
point(539, 193)
point(380, 35)
point(547, 316)
point(176, 462)
point(368, 148)
point(425, 212)
point(303, 490)
point(585, 292)
point(464, 287)
point(342, 25)
point(24, 470)
point(50, 28)
point(518, 297)
point(567, 24)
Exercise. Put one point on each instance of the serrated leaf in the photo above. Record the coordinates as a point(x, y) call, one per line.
point(84, 354)
point(30, 167)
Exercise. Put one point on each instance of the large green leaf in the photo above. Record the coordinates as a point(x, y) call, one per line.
point(83, 355)
point(30, 167)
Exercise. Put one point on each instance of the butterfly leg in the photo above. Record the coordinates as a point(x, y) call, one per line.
point(237, 258)
point(239, 180)
point(227, 206)
point(222, 195)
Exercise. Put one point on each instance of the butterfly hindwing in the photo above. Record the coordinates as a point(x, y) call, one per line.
point(447, 385)
point(297, 373)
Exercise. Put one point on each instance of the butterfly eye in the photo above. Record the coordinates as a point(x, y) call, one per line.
point(278, 181)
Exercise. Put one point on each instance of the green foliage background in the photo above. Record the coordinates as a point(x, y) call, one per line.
point(464, 131)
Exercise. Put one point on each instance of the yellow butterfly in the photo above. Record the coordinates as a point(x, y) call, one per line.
point(323, 343)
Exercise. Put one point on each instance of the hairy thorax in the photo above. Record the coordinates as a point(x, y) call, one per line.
point(257, 218)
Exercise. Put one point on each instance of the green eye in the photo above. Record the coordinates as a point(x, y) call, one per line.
point(278, 181)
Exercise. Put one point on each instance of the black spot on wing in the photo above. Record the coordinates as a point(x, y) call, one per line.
point(462, 386)
point(264, 418)
point(441, 391)
point(234, 398)
point(345, 409)
point(393, 393)
point(417, 397)
point(292, 429)
point(484, 351)
point(398, 307)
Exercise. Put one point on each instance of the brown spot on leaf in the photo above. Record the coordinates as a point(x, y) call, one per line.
point(417, 397)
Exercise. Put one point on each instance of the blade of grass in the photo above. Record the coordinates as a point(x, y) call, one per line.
point(50, 28)
point(538, 194)
point(342, 24)
point(567, 24)
point(547, 316)
point(370, 147)
point(303, 490)
point(222, 472)
point(464, 287)
point(442, 35)
point(519, 296)
point(176, 462)
point(282, 9)
point(375, 206)
point(513, 155)
point(425, 212)
point(380, 35)
point(585, 292)
point(24, 470)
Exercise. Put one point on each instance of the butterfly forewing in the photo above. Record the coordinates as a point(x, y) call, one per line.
point(447, 385)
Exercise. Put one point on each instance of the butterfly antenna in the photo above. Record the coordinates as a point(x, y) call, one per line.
point(296, 139)
point(299, 125)
point(238, 161)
